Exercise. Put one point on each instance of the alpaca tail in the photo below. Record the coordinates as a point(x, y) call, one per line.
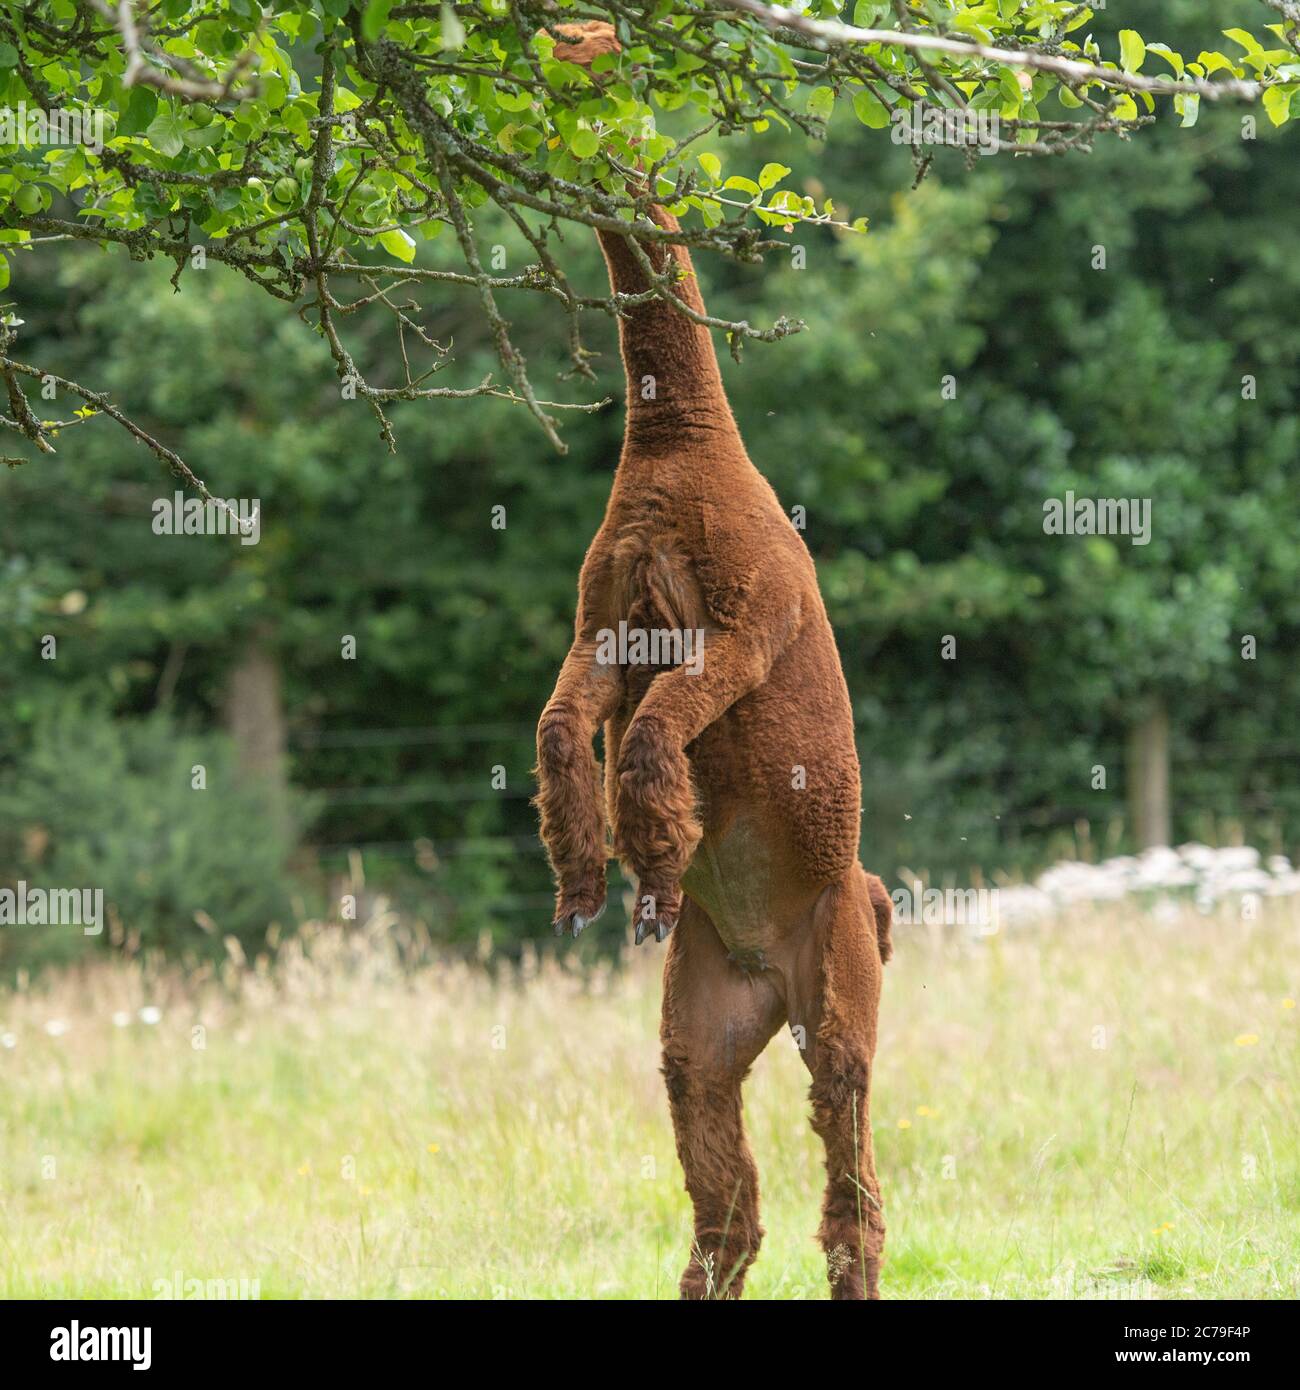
point(882, 909)
point(868, 897)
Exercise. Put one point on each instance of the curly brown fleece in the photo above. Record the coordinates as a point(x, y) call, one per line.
point(732, 787)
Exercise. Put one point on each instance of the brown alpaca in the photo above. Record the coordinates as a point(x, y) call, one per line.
point(732, 785)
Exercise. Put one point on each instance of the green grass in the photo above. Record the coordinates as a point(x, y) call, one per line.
point(1072, 1111)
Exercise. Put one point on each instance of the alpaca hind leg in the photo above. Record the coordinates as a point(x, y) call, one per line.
point(836, 1001)
point(716, 1020)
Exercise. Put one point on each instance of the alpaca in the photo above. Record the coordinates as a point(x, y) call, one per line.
point(732, 785)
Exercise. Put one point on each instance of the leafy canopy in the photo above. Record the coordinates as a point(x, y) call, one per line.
point(311, 145)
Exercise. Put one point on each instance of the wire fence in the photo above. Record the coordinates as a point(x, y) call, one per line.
point(427, 851)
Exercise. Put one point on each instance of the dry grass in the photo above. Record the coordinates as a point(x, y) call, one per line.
point(1104, 1108)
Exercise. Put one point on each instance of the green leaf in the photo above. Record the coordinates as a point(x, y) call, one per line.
point(584, 143)
point(8, 59)
point(375, 18)
point(1215, 62)
point(822, 102)
point(4, 272)
point(295, 122)
point(398, 244)
point(166, 133)
point(772, 174)
point(141, 108)
point(513, 101)
point(711, 165)
point(1132, 50)
point(1188, 106)
point(869, 109)
point(1126, 108)
point(1245, 39)
point(274, 92)
point(1009, 84)
point(1175, 60)
point(1277, 102)
point(205, 135)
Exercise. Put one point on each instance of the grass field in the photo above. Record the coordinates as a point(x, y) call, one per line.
point(1105, 1107)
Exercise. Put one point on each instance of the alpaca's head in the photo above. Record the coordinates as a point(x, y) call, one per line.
point(584, 43)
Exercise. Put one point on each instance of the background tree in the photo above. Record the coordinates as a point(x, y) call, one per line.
point(924, 513)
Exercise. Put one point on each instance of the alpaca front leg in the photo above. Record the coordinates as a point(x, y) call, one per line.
point(655, 825)
point(656, 828)
point(570, 797)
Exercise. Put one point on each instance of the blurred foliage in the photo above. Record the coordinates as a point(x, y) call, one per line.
point(113, 804)
point(925, 516)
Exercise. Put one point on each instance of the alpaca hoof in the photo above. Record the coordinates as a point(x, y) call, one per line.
point(575, 922)
point(662, 926)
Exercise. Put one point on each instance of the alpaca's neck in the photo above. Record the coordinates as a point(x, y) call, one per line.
point(674, 387)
